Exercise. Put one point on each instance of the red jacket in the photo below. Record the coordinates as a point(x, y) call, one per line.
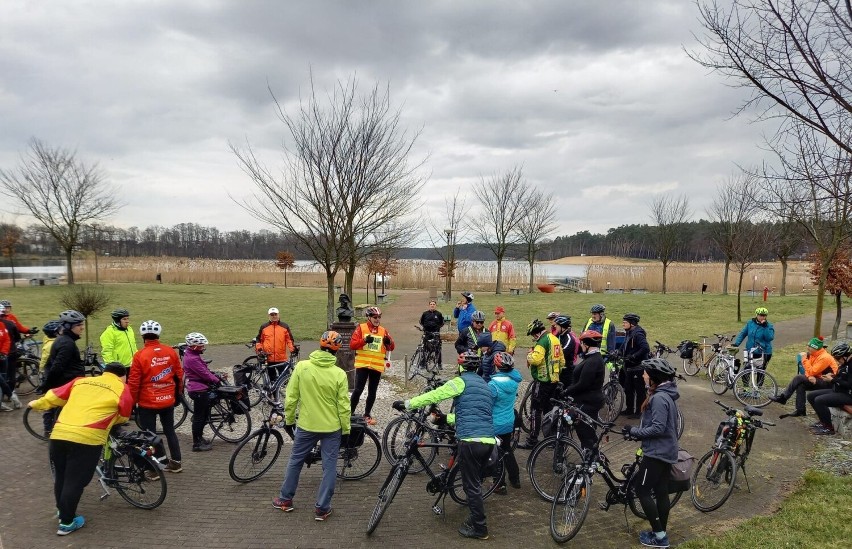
point(21, 328)
point(275, 339)
point(155, 375)
point(5, 340)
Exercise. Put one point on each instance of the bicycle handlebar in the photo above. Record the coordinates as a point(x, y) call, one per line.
point(586, 417)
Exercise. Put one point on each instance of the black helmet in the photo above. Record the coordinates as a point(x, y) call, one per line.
point(503, 361)
point(632, 318)
point(535, 327)
point(478, 316)
point(597, 308)
point(563, 321)
point(51, 328)
point(118, 314)
point(469, 361)
point(658, 369)
point(841, 350)
point(71, 317)
point(468, 296)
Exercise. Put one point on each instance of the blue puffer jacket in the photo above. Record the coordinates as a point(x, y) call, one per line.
point(486, 370)
point(463, 315)
point(474, 409)
point(504, 390)
point(758, 335)
point(658, 429)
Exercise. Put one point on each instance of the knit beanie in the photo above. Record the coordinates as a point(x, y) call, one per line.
point(815, 343)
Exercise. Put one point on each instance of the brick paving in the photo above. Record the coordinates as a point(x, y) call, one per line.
point(205, 508)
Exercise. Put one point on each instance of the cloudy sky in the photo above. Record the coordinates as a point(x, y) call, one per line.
point(595, 99)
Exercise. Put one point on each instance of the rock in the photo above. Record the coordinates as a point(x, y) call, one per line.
point(842, 422)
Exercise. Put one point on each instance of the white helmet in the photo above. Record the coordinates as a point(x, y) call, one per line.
point(2, 309)
point(151, 327)
point(195, 339)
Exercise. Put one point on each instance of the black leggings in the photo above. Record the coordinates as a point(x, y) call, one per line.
point(509, 461)
point(148, 421)
point(542, 392)
point(74, 466)
point(362, 377)
point(652, 481)
point(824, 399)
point(200, 414)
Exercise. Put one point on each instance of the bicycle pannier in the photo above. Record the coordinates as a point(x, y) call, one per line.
point(355, 438)
point(237, 398)
point(548, 422)
point(681, 472)
point(687, 349)
point(241, 374)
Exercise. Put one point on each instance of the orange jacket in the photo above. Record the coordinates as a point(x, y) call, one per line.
point(370, 355)
point(154, 375)
point(276, 340)
point(818, 362)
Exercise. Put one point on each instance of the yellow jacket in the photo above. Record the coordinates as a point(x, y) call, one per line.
point(545, 359)
point(46, 344)
point(90, 407)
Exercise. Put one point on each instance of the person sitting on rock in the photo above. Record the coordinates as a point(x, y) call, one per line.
point(839, 395)
point(818, 363)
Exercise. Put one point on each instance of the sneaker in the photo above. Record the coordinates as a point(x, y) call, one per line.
point(4, 408)
point(16, 402)
point(369, 420)
point(780, 399)
point(467, 530)
point(650, 539)
point(174, 466)
point(501, 490)
point(151, 475)
point(529, 444)
point(822, 430)
point(76, 524)
point(202, 446)
point(285, 505)
point(321, 515)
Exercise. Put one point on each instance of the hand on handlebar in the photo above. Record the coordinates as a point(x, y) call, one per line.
point(290, 430)
point(625, 432)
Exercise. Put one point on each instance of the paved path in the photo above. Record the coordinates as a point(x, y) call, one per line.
point(205, 508)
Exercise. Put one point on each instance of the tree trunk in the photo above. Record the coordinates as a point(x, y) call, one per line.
point(349, 280)
point(499, 288)
point(783, 277)
point(740, 296)
point(12, 264)
point(665, 269)
point(725, 277)
point(838, 300)
point(532, 275)
point(285, 278)
point(70, 266)
point(329, 292)
point(820, 298)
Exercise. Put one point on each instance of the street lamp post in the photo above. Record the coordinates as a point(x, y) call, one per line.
point(449, 231)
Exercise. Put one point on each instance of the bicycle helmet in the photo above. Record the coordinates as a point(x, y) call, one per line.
point(591, 338)
point(658, 369)
point(761, 311)
point(51, 328)
point(195, 339)
point(477, 316)
point(535, 327)
point(71, 317)
point(2, 309)
point(6, 303)
point(468, 296)
point(151, 327)
point(563, 321)
point(373, 311)
point(469, 361)
point(331, 340)
point(841, 350)
point(503, 361)
point(118, 314)
point(632, 318)
point(552, 315)
point(597, 308)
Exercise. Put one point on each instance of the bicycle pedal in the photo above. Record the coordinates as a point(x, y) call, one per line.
point(438, 510)
point(603, 506)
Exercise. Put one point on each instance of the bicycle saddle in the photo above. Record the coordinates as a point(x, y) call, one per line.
point(752, 411)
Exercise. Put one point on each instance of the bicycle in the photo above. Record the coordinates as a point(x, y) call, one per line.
point(570, 505)
point(716, 472)
point(751, 385)
point(448, 481)
point(613, 392)
point(357, 458)
point(129, 466)
point(427, 355)
point(661, 350)
point(693, 353)
point(27, 374)
point(254, 374)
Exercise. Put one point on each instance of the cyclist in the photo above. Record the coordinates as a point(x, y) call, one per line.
point(551, 318)
point(820, 367)
point(601, 324)
point(504, 390)
point(658, 433)
point(587, 384)
point(468, 338)
point(836, 397)
point(276, 340)
point(319, 388)
point(199, 381)
point(463, 311)
point(7, 390)
point(488, 349)
point(545, 360)
point(155, 380)
point(21, 328)
point(51, 332)
point(758, 332)
point(474, 432)
point(64, 362)
point(14, 329)
point(118, 344)
point(503, 330)
point(371, 343)
point(635, 349)
point(90, 406)
point(432, 320)
point(570, 347)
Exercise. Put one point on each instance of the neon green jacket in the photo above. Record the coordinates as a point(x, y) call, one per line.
point(46, 344)
point(545, 359)
point(320, 389)
point(118, 345)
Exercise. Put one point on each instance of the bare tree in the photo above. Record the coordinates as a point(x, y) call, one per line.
point(748, 242)
point(786, 238)
point(61, 192)
point(533, 228)
point(794, 55)
point(10, 236)
point(444, 235)
point(346, 180)
point(669, 214)
point(732, 206)
point(285, 261)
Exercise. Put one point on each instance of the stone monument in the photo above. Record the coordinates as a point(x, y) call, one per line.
point(344, 326)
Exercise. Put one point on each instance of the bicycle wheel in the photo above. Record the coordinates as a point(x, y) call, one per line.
point(754, 391)
point(179, 418)
point(280, 385)
point(387, 493)
point(254, 382)
point(680, 423)
point(255, 455)
point(636, 507)
point(713, 480)
point(691, 366)
point(227, 425)
point(490, 477)
point(397, 433)
point(34, 424)
point(570, 507)
point(613, 402)
point(550, 461)
point(28, 378)
point(128, 476)
point(718, 374)
point(418, 362)
point(187, 400)
point(359, 462)
point(526, 409)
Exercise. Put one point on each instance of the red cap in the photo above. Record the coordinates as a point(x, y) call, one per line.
point(500, 310)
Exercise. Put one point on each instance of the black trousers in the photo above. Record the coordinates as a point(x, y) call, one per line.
point(369, 378)
point(652, 488)
point(824, 399)
point(586, 433)
point(540, 402)
point(74, 466)
point(148, 420)
point(800, 385)
point(634, 390)
point(200, 414)
point(473, 458)
point(509, 461)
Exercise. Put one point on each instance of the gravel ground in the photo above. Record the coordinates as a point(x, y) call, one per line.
point(834, 455)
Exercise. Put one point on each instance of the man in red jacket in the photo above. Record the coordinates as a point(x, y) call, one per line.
point(155, 380)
